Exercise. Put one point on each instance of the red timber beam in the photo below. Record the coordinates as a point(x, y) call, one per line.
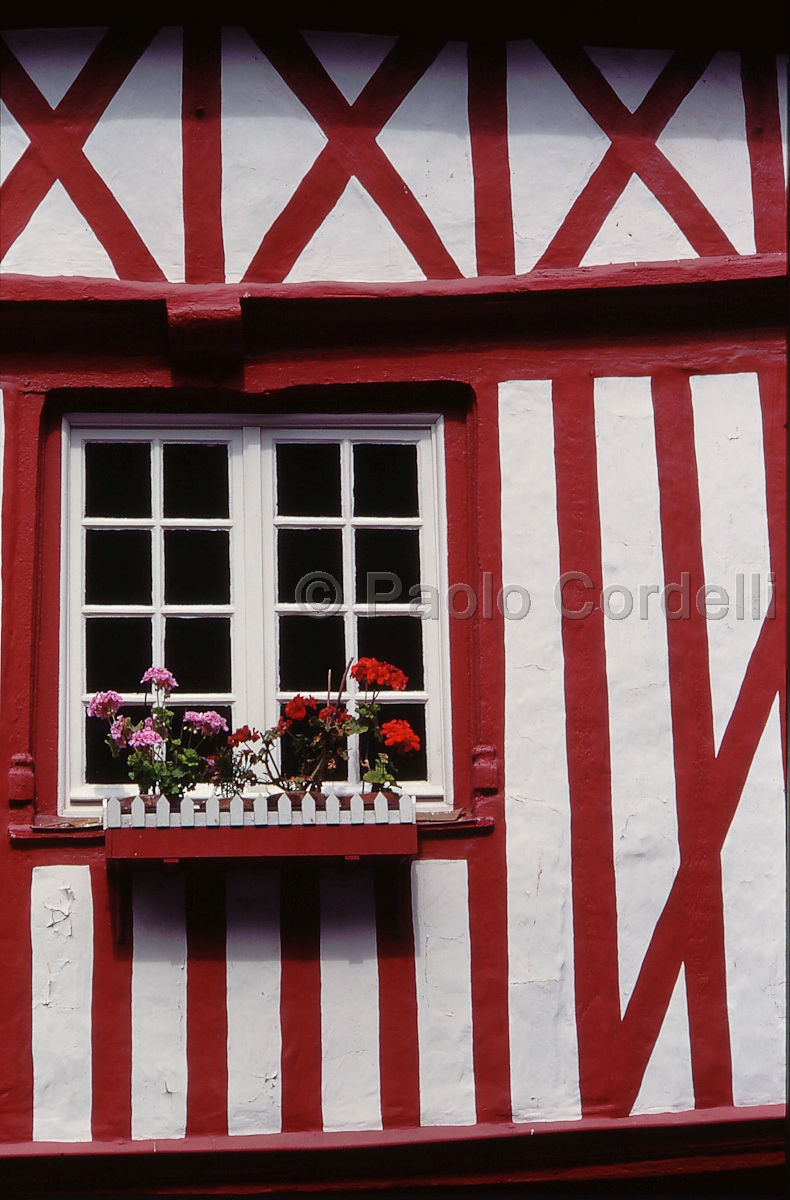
point(57, 137)
point(496, 253)
point(633, 151)
point(614, 1053)
point(764, 137)
point(352, 150)
point(201, 132)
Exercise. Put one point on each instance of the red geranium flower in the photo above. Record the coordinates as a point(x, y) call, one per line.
point(379, 674)
point(296, 709)
point(400, 735)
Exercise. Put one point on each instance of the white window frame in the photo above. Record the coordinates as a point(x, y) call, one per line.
point(253, 522)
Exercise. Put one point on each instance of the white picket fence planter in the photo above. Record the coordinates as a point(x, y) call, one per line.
point(273, 808)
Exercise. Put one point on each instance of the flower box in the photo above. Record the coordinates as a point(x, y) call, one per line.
point(273, 824)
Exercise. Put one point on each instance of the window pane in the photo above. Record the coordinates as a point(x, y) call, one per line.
point(409, 764)
point(117, 566)
point(197, 566)
point(303, 552)
point(385, 481)
point(387, 550)
point(196, 480)
point(308, 480)
point(117, 479)
point(309, 647)
point(396, 640)
point(197, 651)
point(117, 653)
point(100, 766)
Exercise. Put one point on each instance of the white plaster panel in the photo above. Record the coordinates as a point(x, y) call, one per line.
point(543, 1047)
point(728, 436)
point(667, 1084)
point(53, 58)
point(13, 142)
point(630, 73)
point(555, 146)
point(440, 906)
point(269, 142)
point(61, 934)
point(644, 817)
point(427, 141)
point(159, 1012)
point(136, 148)
point(57, 240)
point(350, 1078)
point(706, 141)
point(356, 242)
point(755, 934)
point(638, 229)
point(252, 901)
point(781, 79)
point(349, 59)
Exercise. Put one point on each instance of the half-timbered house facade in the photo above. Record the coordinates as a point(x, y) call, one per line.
point(498, 317)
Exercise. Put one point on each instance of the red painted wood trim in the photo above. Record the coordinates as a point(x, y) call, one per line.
point(713, 269)
point(633, 149)
point(661, 1147)
point(207, 1011)
point(59, 148)
point(201, 116)
point(587, 733)
point(773, 397)
point(277, 841)
point(351, 151)
point(399, 1056)
point(692, 734)
point(111, 1010)
point(45, 651)
point(487, 855)
point(300, 1003)
point(490, 160)
point(764, 137)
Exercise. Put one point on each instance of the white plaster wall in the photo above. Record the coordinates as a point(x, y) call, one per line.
point(755, 931)
point(350, 1081)
point(543, 1048)
point(159, 1016)
point(61, 935)
point(554, 146)
point(728, 438)
point(440, 906)
point(644, 818)
point(252, 907)
point(667, 1084)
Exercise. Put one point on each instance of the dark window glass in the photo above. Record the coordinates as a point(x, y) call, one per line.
point(409, 764)
point(117, 479)
point(396, 640)
point(308, 480)
point(117, 566)
point(117, 653)
point(197, 566)
point(197, 651)
point(309, 647)
point(196, 480)
point(303, 552)
point(385, 481)
point(100, 766)
point(396, 551)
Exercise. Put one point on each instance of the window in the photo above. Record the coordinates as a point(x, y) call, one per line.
point(251, 559)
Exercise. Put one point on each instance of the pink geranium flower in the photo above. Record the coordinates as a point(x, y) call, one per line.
point(105, 704)
point(160, 677)
point(120, 731)
point(147, 736)
point(207, 723)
